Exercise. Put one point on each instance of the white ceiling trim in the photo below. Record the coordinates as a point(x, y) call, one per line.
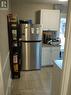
point(45, 1)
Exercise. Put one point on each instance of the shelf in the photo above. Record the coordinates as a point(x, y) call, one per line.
point(16, 75)
point(14, 27)
point(14, 35)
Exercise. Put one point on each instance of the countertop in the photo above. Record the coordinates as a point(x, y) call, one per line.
point(59, 64)
point(48, 45)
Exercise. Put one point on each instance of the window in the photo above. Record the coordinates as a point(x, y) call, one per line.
point(62, 31)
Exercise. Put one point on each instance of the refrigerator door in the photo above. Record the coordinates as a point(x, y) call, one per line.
point(31, 55)
point(31, 32)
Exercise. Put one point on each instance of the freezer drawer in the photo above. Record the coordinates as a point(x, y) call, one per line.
point(31, 55)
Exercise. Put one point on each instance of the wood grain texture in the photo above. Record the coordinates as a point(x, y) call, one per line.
point(33, 83)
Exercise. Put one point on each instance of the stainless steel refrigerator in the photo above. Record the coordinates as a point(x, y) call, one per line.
point(31, 47)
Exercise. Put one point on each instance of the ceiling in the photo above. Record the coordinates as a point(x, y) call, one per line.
point(45, 1)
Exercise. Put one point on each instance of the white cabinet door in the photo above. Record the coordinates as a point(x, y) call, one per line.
point(46, 56)
point(55, 53)
point(50, 19)
point(49, 54)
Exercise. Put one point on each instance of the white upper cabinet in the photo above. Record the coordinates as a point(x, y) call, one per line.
point(49, 19)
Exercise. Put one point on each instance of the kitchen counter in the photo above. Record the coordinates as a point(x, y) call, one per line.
point(57, 77)
point(47, 45)
point(59, 64)
point(49, 54)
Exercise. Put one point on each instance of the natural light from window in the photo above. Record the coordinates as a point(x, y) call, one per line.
point(62, 31)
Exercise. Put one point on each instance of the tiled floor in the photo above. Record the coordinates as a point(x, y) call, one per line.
point(33, 83)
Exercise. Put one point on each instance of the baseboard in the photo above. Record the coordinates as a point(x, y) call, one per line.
point(8, 91)
point(47, 66)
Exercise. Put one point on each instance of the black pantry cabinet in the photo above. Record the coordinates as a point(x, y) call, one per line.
point(14, 36)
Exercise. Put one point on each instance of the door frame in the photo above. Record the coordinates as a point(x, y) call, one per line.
point(67, 54)
point(1, 79)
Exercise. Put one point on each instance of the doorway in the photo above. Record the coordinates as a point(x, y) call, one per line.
point(28, 79)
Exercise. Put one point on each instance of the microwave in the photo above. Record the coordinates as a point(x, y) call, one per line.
point(48, 35)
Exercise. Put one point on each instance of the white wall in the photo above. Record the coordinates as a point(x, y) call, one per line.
point(4, 51)
point(62, 8)
point(66, 82)
point(27, 10)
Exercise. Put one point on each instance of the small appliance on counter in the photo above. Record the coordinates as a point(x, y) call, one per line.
point(31, 46)
point(54, 42)
point(48, 36)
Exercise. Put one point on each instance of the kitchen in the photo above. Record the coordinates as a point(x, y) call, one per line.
point(49, 52)
point(29, 17)
point(36, 19)
point(29, 43)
